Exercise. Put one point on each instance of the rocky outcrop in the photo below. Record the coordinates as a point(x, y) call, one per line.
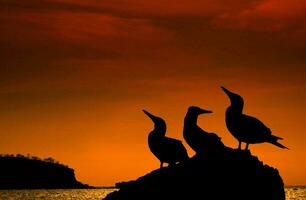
point(29, 173)
point(230, 174)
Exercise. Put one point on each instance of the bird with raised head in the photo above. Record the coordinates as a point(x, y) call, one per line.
point(167, 150)
point(246, 128)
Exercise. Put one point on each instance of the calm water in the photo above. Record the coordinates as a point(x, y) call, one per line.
point(92, 194)
point(296, 193)
point(292, 193)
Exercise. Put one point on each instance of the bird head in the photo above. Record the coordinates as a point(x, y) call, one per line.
point(197, 110)
point(159, 123)
point(236, 100)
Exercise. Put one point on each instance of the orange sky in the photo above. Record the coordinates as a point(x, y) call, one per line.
point(75, 75)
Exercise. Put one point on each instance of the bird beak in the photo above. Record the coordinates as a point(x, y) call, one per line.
point(205, 111)
point(229, 93)
point(149, 115)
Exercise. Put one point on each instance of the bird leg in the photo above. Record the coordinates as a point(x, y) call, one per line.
point(171, 164)
point(239, 146)
point(247, 146)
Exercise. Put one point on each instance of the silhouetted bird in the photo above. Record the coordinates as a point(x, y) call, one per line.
point(246, 128)
point(166, 149)
point(198, 139)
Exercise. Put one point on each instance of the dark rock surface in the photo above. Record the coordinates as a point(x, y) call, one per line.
point(232, 174)
point(29, 173)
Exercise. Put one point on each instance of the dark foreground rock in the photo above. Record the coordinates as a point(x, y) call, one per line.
point(28, 173)
point(232, 174)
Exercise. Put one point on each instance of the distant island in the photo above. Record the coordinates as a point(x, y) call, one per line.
point(30, 172)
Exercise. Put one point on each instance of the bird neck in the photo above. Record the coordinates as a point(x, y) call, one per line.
point(158, 131)
point(237, 105)
point(234, 109)
point(191, 119)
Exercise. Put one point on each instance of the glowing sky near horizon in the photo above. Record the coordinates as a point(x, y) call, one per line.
point(75, 75)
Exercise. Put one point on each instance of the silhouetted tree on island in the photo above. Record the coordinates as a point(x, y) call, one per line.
point(31, 172)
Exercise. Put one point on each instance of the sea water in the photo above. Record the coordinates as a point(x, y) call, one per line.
point(292, 193)
point(296, 193)
point(59, 194)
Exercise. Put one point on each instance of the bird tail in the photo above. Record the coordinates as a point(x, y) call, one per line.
point(273, 140)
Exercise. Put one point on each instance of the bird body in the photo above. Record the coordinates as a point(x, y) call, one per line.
point(198, 139)
point(246, 128)
point(167, 150)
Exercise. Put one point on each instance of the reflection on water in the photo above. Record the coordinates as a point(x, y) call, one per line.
point(296, 193)
point(292, 193)
point(92, 194)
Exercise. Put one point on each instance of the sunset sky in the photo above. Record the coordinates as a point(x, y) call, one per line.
point(75, 75)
